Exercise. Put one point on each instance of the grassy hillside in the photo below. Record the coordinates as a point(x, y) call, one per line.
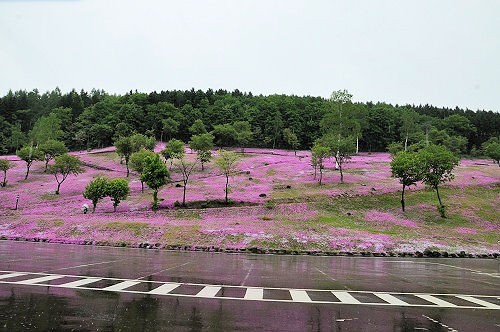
point(278, 205)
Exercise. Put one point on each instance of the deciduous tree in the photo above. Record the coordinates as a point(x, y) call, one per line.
point(63, 166)
point(96, 190)
point(407, 167)
point(117, 189)
point(174, 149)
point(243, 133)
point(51, 149)
point(156, 175)
point(170, 128)
point(202, 144)
point(437, 164)
point(137, 160)
point(226, 162)
point(185, 168)
point(291, 139)
point(198, 127)
point(492, 150)
point(319, 153)
point(225, 135)
point(5, 165)
point(341, 148)
point(29, 154)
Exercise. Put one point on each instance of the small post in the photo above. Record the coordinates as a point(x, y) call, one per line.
point(17, 201)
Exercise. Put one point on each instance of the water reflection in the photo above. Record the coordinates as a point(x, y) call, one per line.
point(44, 309)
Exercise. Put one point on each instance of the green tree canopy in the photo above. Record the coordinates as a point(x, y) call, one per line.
point(51, 149)
point(5, 165)
point(29, 154)
point(341, 148)
point(225, 135)
point(174, 149)
point(63, 166)
point(437, 165)
point(319, 153)
point(492, 150)
point(198, 127)
point(170, 128)
point(137, 161)
point(202, 144)
point(407, 167)
point(96, 190)
point(156, 175)
point(126, 146)
point(140, 141)
point(291, 139)
point(45, 128)
point(226, 162)
point(117, 189)
point(243, 133)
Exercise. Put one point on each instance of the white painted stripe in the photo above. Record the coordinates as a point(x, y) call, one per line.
point(435, 300)
point(39, 279)
point(164, 289)
point(480, 302)
point(345, 297)
point(77, 283)
point(299, 296)
point(391, 299)
point(254, 294)
point(122, 285)
point(12, 275)
point(208, 291)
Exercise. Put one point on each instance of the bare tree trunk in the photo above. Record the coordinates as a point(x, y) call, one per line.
point(184, 195)
point(403, 199)
point(27, 171)
point(439, 197)
point(227, 182)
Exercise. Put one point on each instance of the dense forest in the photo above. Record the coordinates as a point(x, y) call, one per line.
point(84, 120)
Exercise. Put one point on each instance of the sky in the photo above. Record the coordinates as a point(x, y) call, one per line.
point(442, 52)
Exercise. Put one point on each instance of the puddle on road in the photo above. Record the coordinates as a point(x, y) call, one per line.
point(23, 308)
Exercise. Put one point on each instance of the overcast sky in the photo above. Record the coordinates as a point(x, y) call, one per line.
point(445, 53)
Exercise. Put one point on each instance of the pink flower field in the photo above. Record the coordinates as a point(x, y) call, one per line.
point(280, 206)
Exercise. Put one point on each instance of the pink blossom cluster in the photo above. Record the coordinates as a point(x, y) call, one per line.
point(263, 174)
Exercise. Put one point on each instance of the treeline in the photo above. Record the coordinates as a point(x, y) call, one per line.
point(96, 119)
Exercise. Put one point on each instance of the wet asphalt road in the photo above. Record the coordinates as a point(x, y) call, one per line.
point(198, 303)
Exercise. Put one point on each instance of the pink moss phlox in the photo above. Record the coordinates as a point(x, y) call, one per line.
point(387, 217)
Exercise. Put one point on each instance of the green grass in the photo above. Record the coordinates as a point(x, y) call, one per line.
point(186, 215)
point(271, 172)
point(137, 228)
point(42, 225)
point(182, 235)
point(49, 196)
